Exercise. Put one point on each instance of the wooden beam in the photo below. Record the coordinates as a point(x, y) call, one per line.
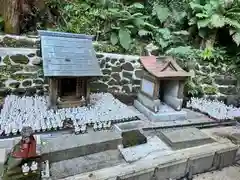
point(87, 95)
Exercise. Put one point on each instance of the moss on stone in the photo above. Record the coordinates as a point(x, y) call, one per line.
point(19, 58)
point(7, 60)
point(210, 90)
point(14, 84)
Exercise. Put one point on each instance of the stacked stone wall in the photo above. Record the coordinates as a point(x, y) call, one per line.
point(22, 73)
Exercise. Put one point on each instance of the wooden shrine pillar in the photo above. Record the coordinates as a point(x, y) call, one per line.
point(53, 92)
point(59, 85)
point(80, 91)
point(87, 91)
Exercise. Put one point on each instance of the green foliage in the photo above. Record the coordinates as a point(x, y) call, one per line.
point(210, 15)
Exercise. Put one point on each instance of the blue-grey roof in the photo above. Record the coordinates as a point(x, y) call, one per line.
point(67, 54)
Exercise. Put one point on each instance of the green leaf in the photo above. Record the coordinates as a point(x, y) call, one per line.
point(114, 38)
point(165, 32)
point(1, 19)
point(180, 50)
point(217, 21)
point(138, 22)
point(124, 38)
point(137, 6)
point(163, 43)
point(203, 23)
point(161, 12)
point(236, 38)
point(184, 33)
point(129, 26)
point(202, 33)
point(143, 32)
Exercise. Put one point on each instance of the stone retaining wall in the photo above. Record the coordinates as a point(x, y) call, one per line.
point(21, 72)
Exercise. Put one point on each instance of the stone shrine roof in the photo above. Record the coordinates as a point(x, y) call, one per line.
point(163, 67)
point(67, 54)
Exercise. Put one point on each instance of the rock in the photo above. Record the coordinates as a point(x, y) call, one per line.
point(116, 69)
point(99, 55)
point(112, 82)
point(139, 73)
point(98, 86)
point(31, 68)
point(135, 89)
point(31, 55)
point(107, 65)
point(19, 58)
point(126, 89)
point(210, 90)
point(105, 78)
point(14, 84)
point(127, 75)
point(108, 59)
point(225, 80)
point(124, 82)
point(113, 89)
point(116, 76)
point(127, 66)
point(133, 61)
point(231, 90)
point(36, 60)
point(106, 71)
point(233, 100)
point(26, 83)
point(38, 53)
point(31, 91)
point(206, 69)
point(38, 81)
point(121, 60)
point(19, 91)
point(113, 60)
point(136, 82)
point(102, 63)
point(4, 92)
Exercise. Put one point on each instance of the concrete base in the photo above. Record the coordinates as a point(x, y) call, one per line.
point(135, 153)
point(169, 115)
point(129, 126)
point(3, 158)
point(70, 146)
point(185, 138)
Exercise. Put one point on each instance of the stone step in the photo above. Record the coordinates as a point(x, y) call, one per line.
point(70, 104)
point(70, 146)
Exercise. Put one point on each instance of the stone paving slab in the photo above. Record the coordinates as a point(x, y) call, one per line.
point(135, 153)
point(185, 138)
point(69, 146)
point(84, 164)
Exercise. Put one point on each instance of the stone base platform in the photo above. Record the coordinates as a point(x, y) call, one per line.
point(129, 126)
point(68, 146)
point(169, 115)
point(185, 138)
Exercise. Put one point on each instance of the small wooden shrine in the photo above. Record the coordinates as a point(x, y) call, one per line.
point(163, 81)
point(69, 62)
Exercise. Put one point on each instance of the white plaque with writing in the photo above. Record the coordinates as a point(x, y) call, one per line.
point(147, 87)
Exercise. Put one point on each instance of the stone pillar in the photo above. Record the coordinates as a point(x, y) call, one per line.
point(181, 89)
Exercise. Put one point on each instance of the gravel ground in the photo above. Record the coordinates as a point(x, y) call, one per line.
point(229, 173)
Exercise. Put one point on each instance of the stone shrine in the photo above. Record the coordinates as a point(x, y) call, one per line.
point(161, 93)
point(69, 62)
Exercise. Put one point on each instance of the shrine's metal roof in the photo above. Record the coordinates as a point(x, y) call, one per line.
point(67, 54)
point(164, 67)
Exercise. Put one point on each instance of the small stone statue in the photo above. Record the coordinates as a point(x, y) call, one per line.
point(25, 169)
point(34, 166)
point(95, 127)
point(83, 128)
